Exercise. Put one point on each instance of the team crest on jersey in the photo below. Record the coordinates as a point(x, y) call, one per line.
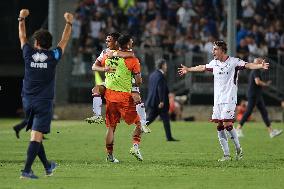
point(39, 57)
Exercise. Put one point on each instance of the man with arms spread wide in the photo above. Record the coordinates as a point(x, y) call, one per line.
point(225, 70)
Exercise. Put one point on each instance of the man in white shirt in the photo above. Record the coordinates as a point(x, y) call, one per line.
point(225, 70)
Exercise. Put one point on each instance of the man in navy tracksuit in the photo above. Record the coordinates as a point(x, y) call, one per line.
point(38, 88)
point(255, 98)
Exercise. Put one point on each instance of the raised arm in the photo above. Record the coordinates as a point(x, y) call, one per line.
point(183, 69)
point(122, 54)
point(22, 26)
point(257, 64)
point(67, 31)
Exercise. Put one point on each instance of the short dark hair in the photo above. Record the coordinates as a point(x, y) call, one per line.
point(43, 37)
point(114, 35)
point(222, 45)
point(123, 40)
point(160, 62)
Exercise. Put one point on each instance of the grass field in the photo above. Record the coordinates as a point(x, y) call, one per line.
point(79, 150)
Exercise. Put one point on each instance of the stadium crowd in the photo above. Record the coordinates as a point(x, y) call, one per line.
point(179, 26)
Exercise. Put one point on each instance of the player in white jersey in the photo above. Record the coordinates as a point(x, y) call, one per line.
point(225, 70)
point(98, 90)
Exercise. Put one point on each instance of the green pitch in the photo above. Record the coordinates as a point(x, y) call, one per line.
point(79, 150)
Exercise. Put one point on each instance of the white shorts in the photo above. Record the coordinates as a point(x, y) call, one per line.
point(135, 89)
point(223, 112)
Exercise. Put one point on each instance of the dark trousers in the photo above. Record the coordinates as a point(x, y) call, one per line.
point(152, 114)
point(21, 125)
point(259, 102)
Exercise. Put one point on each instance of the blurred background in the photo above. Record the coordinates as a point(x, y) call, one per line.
point(181, 31)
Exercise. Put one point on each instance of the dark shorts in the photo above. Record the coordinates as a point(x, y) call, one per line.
point(38, 114)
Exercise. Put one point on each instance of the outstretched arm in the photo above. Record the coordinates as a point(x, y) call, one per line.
point(257, 64)
point(183, 69)
point(67, 31)
point(22, 26)
point(122, 54)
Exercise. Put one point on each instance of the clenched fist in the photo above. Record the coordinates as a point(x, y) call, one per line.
point(68, 17)
point(24, 13)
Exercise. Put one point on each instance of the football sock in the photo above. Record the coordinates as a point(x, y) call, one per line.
point(31, 155)
point(109, 148)
point(42, 156)
point(231, 130)
point(136, 146)
point(136, 139)
point(140, 109)
point(97, 104)
point(223, 140)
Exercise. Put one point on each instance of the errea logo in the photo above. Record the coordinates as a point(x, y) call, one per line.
point(39, 57)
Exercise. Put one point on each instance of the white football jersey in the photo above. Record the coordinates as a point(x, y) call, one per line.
point(225, 79)
point(100, 58)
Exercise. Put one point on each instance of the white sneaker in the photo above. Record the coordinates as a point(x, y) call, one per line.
point(275, 133)
point(95, 119)
point(239, 154)
point(111, 158)
point(136, 153)
point(239, 133)
point(225, 158)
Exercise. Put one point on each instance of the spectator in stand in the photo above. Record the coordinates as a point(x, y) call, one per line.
point(151, 11)
point(248, 8)
point(76, 33)
point(281, 45)
point(157, 28)
point(252, 46)
point(242, 33)
point(87, 54)
point(111, 25)
point(256, 34)
point(272, 39)
point(209, 27)
point(169, 39)
point(134, 17)
point(208, 46)
point(180, 47)
point(172, 13)
point(184, 14)
point(97, 24)
point(243, 50)
point(262, 49)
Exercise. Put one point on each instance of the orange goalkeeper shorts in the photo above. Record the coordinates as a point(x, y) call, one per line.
point(117, 110)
